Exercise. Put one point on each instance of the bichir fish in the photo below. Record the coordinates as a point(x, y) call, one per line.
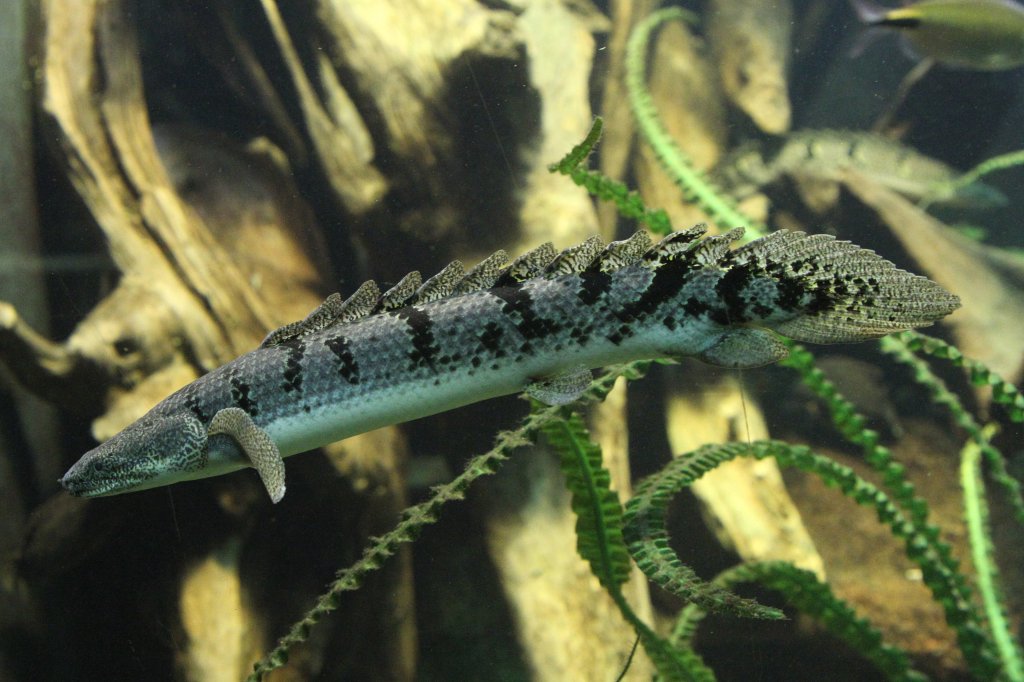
point(539, 323)
point(824, 154)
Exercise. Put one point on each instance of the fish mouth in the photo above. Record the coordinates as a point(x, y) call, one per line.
point(91, 477)
point(88, 484)
point(81, 488)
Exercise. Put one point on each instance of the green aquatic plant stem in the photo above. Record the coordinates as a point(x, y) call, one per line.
point(596, 505)
point(898, 348)
point(647, 538)
point(801, 589)
point(600, 542)
point(983, 557)
point(951, 187)
point(695, 186)
point(579, 154)
point(903, 346)
point(413, 520)
point(628, 202)
point(852, 425)
point(922, 538)
point(1003, 392)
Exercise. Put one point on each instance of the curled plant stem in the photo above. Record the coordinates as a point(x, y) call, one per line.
point(802, 590)
point(923, 539)
point(600, 542)
point(412, 521)
point(628, 202)
point(903, 346)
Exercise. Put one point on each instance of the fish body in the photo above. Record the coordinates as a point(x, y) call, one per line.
point(985, 35)
point(824, 154)
point(539, 323)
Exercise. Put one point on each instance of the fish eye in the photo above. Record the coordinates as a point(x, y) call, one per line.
point(126, 346)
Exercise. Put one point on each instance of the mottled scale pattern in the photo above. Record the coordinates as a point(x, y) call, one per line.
point(463, 341)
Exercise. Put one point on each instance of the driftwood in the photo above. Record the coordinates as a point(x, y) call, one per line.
point(746, 500)
point(751, 43)
point(214, 250)
point(691, 105)
point(989, 282)
point(21, 273)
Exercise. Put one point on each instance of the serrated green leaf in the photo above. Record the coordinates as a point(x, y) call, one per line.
point(597, 507)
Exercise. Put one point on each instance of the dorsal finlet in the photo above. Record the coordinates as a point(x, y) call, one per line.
point(484, 274)
point(400, 294)
point(530, 264)
point(675, 244)
point(323, 316)
point(575, 259)
point(623, 253)
point(711, 250)
point(332, 311)
point(359, 304)
point(440, 285)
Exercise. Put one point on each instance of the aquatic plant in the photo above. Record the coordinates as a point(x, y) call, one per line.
point(996, 163)
point(906, 513)
point(695, 185)
point(627, 201)
point(611, 535)
point(599, 533)
point(648, 541)
point(698, 189)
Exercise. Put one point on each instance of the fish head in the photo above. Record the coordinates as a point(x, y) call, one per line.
point(155, 450)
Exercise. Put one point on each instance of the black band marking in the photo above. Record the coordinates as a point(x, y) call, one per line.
point(295, 350)
point(194, 406)
point(240, 395)
point(518, 305)
point(594, 284)
point(348, 368)
point(668, 281)
point(421, 332)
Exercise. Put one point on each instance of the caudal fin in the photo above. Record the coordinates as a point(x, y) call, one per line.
point(841, 292)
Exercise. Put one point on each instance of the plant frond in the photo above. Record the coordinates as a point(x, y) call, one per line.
point(695, 186)
point(597, 507)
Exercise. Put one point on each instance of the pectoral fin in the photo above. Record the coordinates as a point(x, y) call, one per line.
point(257, 445)
point(744, 348)
point(561, 389)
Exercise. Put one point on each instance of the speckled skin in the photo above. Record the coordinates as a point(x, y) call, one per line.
point(314, 384)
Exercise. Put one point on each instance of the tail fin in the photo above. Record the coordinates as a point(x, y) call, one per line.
point(840, 291)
